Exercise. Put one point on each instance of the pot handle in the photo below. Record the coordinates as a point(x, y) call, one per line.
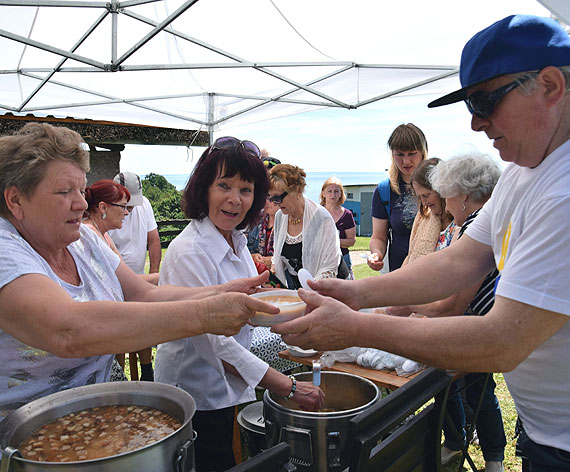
point(181, 458)
point(7, 454)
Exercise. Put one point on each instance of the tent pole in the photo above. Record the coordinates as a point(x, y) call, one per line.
point(211, 117)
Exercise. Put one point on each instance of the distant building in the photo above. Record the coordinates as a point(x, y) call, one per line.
point(359, 201)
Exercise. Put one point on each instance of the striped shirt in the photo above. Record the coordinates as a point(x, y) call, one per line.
point(485, 297)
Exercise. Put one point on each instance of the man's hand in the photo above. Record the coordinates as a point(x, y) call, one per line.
point(328, 324)
point(342, 290)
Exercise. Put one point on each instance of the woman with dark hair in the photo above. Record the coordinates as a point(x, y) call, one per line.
point(393, 205)
point(226, 193)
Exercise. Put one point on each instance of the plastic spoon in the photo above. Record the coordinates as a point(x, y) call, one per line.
point(304, 276)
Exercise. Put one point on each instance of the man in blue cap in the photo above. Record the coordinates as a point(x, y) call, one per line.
point(515, 77)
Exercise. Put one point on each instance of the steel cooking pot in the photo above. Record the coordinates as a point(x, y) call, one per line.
point(172, 453)
point(318, 440)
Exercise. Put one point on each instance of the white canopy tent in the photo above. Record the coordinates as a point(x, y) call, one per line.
point(218, 63)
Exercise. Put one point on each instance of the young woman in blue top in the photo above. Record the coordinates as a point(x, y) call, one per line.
point(409, 147)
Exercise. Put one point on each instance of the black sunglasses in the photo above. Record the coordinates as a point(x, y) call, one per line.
point(483, 104)
point(229, 142)
point(277, 199)
point(270, 162)
point(124, 207)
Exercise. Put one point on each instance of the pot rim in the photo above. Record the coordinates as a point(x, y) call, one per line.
point(267, 400)
point(77, 396)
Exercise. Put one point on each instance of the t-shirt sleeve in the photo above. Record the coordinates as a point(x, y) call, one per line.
point(480, 228)
point(149, 216)
point(17, 258)
point(378, 209)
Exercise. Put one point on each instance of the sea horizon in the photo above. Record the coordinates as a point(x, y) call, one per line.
point(314, 180)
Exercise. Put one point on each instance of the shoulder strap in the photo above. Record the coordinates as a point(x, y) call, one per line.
point(384, 191)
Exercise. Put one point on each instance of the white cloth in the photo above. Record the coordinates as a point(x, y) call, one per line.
point(131, 239)
point(526, 224)
point(321, 245)
point(198, 257)
point(28, 373)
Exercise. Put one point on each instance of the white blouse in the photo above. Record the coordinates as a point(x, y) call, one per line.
point(200, 256)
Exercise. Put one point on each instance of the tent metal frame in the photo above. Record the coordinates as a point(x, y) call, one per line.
point(117, 64)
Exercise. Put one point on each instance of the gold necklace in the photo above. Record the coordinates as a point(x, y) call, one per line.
point(96, 226)
point(296, 221)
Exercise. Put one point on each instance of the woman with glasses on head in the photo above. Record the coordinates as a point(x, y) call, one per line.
point(332, 198)
point(393, 205)
point(305, 233)
point(226, 193)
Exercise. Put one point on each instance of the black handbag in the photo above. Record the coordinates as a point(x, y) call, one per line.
point(343, 272)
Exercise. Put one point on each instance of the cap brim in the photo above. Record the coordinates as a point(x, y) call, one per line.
point(450, 98)
point(135, 200)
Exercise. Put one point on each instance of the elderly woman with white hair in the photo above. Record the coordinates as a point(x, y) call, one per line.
point(466, 182)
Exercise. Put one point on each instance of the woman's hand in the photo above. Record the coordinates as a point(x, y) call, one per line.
point(227, 313)
point(374, 261)
point(257, 258)
point(247, 285)
point(309, 396)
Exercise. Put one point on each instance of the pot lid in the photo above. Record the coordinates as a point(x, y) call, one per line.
point(252, 417)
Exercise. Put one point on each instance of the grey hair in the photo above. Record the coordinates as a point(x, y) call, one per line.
point(473, 174)
point(527, 80)
point(25, 155)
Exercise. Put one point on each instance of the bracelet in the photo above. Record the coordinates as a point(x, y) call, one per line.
point(293, 387)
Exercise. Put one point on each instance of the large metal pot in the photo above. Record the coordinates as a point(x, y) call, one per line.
point(318, 440)
point(172, 453)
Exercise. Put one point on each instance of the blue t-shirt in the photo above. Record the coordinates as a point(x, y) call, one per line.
point(403, 209)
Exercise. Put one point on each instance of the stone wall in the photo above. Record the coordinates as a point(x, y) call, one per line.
point(104, 162)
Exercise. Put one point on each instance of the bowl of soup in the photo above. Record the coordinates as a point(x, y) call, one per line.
point(288, 301)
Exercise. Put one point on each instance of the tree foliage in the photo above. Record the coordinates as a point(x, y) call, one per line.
point(163, 197)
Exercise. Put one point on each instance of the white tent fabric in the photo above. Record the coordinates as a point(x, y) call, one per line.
point(214, 63)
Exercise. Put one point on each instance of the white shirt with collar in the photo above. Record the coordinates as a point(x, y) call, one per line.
point(200, 256)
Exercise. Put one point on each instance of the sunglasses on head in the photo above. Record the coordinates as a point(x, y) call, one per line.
point(483, 104)
point(270, 162)
point(277, 199)
point(229, 142)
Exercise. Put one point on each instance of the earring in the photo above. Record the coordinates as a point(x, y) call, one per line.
point(463, 207)
point(104, 216)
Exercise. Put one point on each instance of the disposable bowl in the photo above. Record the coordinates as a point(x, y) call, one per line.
point(283, 300)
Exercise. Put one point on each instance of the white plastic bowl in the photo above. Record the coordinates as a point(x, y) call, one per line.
point(289, 309)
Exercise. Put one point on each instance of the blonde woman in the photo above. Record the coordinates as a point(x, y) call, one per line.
point(332, 198)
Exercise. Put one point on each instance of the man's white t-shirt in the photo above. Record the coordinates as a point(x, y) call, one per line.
point(526, 223)
point(131, 239)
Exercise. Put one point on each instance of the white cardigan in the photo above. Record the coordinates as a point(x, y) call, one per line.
point(321, 245)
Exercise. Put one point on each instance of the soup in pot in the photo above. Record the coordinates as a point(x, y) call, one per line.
point(98, 432)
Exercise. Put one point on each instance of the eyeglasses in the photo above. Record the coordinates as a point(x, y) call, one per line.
point(124, 207)
point(483, 103)
point(228, 142)
point(277, 199)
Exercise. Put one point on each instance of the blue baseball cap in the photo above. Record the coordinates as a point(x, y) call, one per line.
point(517, 43)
